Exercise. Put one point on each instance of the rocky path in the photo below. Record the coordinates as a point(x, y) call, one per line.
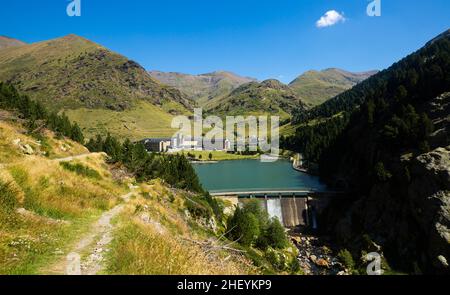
point(68, 159)
point(87, 256)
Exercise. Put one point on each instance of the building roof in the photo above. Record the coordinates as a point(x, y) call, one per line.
point(153, 140)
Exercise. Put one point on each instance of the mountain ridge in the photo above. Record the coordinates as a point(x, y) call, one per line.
point(202, 87)
point(269, 97)
point(80, 72)
point(316, 87)
point(103, 91)
point(6, 42)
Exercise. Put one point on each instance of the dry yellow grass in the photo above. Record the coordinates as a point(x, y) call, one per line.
point(141, 249)
point(154, 236)
point(60, 204)
point(48, 145)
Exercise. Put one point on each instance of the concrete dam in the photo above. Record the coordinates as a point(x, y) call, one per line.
point(290, 210)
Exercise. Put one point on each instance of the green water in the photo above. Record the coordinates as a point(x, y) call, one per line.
point(245, 175)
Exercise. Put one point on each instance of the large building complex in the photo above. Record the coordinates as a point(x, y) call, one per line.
point(181, 143)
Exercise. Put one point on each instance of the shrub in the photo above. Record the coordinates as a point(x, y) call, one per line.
point(216, 207)
point(272, 258)
point(256, 258)
point(243, 227)
point(198, 207)
point(8, 201)
point(265, 232)
point(294, 266)
point(278, 261)
point(262, 242)
point(81, 170)
point(276, 235)
point(381, 172)
point(347, 259)
point(254, 207)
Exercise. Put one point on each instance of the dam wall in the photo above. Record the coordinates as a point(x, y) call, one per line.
point(290, 211)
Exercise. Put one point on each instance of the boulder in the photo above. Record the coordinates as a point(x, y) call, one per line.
point(322, 263)
point(28, 149)
point(296, 240)
point(443, 261)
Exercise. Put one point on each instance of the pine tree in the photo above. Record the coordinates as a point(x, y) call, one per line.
point(76, 134)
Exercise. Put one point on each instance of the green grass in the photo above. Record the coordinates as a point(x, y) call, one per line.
point(72, 72)
point(8, 201)
point(142, 121)
point(266, 98)
point(290, 129)
point(81, 170)
point(30, 247)
point(29, 244)
point(203, 88)
point(316, 87)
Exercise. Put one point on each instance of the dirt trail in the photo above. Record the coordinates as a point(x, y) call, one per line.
point(71, 158)
point(92, 247)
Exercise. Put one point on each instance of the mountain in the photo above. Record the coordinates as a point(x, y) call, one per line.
point(6, 42)
point(386, 144)
point(101, 89)
point(73, 71)
point(268, 97)
point(316, 87)
point(205, 87)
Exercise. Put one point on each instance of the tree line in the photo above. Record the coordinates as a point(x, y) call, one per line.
point(394, 116)
point(174, 169)
point(389, 106)
point(35, 113)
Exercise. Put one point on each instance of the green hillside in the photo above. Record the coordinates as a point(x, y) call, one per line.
point(142, 121)
point(97, 87)
point(269, 97)
point(202, 88)
point(316, 87)
point(72, 72)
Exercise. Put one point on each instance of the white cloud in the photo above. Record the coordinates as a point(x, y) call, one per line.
point(330, 18)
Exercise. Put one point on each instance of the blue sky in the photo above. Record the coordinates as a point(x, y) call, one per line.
point(257, 38)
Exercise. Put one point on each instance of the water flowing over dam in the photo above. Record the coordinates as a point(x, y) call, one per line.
point(289, 195)
point(289, 211)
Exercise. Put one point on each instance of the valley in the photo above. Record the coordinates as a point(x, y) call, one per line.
point(77, 182)
point(105, 92)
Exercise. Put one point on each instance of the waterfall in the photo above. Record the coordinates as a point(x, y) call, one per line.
point(274, 209)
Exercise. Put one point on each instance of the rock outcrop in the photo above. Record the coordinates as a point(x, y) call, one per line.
point(408, 211)
point(430, 203)
point(410, 218)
